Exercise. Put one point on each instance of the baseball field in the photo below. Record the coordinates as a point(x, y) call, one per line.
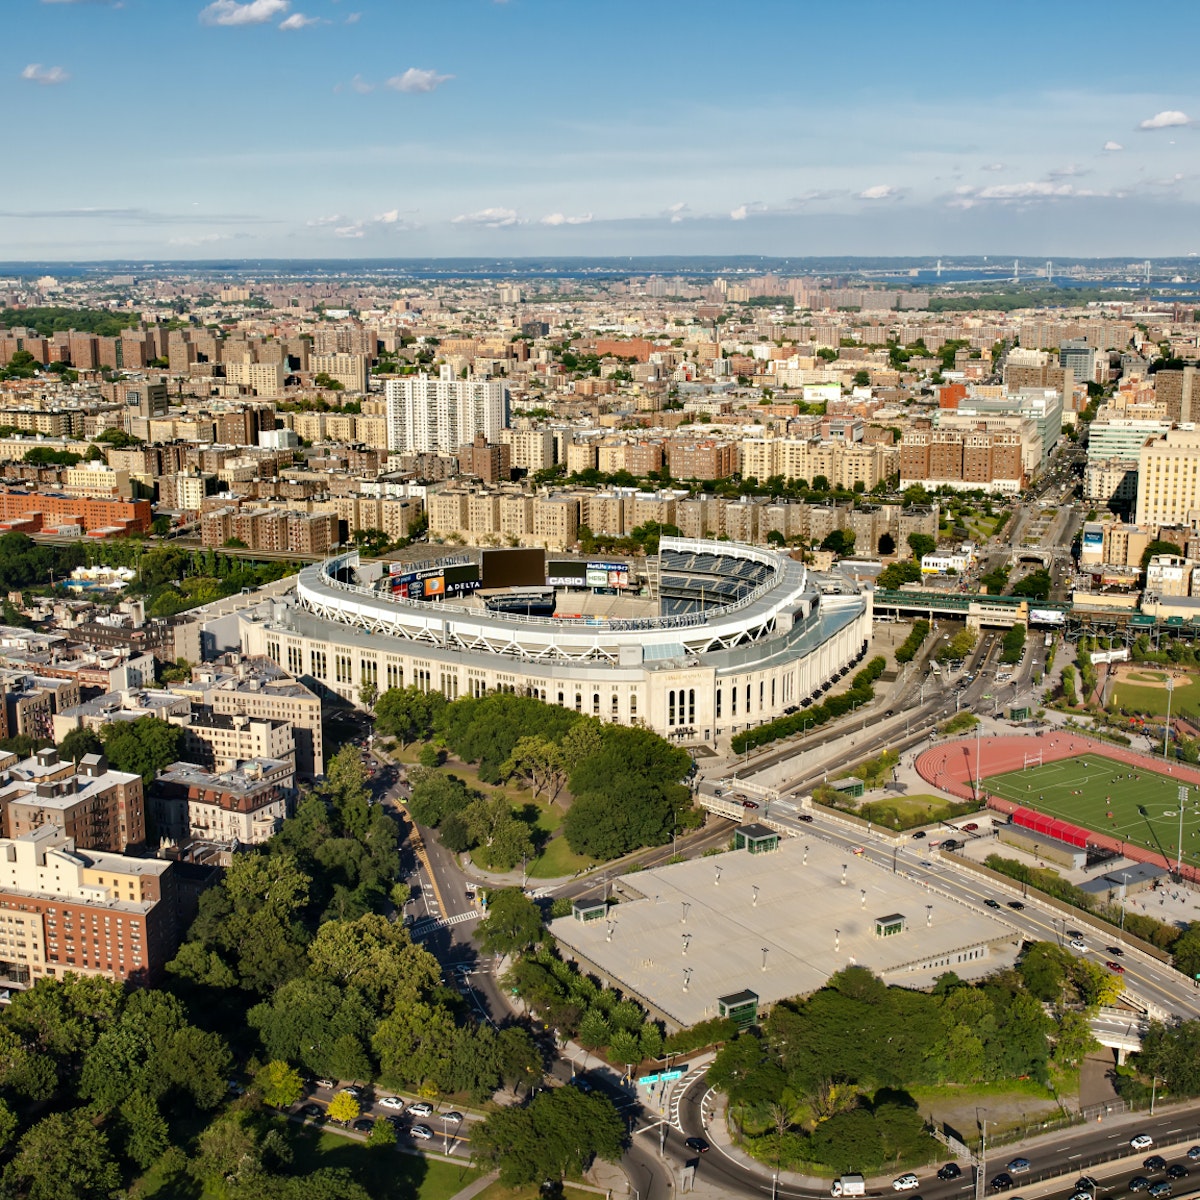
point(1132, 804)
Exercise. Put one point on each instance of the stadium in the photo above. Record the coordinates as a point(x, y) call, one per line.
point(716, 637)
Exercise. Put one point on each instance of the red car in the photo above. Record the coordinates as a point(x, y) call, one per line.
point(1115, 967)
point(971, 828)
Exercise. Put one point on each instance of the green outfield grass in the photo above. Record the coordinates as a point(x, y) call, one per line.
point(1084, 790)
point(1152, 701)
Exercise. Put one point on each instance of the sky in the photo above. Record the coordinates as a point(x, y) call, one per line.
point(179, 129)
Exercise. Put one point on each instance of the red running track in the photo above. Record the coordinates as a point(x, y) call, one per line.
point(950, 767)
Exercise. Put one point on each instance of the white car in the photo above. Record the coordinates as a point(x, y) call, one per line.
point(906, 1183)
point(1078, 944)
point(422, 1133)
point(1143, 1141)
point(421, 1109)
point(392, 1102)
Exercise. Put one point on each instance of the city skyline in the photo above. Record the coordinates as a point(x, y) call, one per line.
point(357, 128)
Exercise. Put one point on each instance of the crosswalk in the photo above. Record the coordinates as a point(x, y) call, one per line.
point(429, 924)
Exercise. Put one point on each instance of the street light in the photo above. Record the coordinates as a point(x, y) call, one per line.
point(1170, 686)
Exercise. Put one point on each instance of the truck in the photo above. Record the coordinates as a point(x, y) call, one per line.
point(848, 1185)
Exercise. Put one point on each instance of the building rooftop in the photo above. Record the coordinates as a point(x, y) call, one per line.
point(779, 923)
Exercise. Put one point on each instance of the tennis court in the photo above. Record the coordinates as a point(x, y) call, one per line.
point(1130, 803)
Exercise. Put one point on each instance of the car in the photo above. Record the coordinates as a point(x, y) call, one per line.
point(1193, 1153)
point(452, 1117)
point(859, 850)
point(699, 1144)
point(951, 844)
point(1086, 1182)
point(352, 1092)
point(1017, 1166)
point(1155, 1162)
point(392, 1102)
point(749, 804)
point(326, 1083)
point(311, 1110)
point(1143, 1141)
point(422, 1133)
point(906, 1183)
point(1117, 969)
point(420, 1109)
point(583, 1084)
point(919, 834)
point(970, 827)
point(992, 903)
point(1115, 951)
point(1158, 1190)
point(1078, 944)
point(1177, 1171)
point(805, 817)
point(362, 1125)
point(1001, 1182)
point(1016, 906)
point(1081, 1195)
point(1139, 1183)
point(949, 1171)
point(1075, 933)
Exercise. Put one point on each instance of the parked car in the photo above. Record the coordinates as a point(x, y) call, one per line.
point(326, 1083)
point(363, 1125)
point(422, 1133)
point(392, 1102)
point(920, 833)
point(970, 827)
point(311, 1110)
point(452, 1117)
point(421, 1109)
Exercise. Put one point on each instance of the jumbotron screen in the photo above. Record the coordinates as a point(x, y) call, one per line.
point(514, 568)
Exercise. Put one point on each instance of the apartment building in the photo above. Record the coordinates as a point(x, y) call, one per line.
point(240, 807)
point(220, 741)
point(52, 422)
point(266, 689)
point(64, 910)
point(90, 514)
point(350, 370)
point(270, 529)
point(98, 479)
point(394, 515)
point(842, 464)
point(1111, 479)
point(185, 491)
point(95, 806)
point(441, 415)
point(491, 463)
point(262, 378)
point(1179, 392)
point(965, 459)
point(529, 449)
point(1168, 487)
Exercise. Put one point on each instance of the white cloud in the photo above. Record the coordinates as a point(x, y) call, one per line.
point(677, 211)
point(298, 21)
point(361, 86)
point(1166, 120)
point(1023, 193)
point(349, 231)
point(198, 240)
point(993, 166)
point(46, 76)
point(318, 221)
point(560, 219)
point(492, 218)
point(388, 218)
point(254, 12)
point(1068, 172)
point(881, 191)
point(416, 79)
point(1113, 147)
point(738, 214)
point(353, 18)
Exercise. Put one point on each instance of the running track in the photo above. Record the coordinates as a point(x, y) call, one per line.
point(950, 767)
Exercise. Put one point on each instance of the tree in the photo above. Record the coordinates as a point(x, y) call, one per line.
point(862, 378)
point(513, 922)
point(839, 541)
point(368, 694)
point(408, 713)
point(280, 1084)
point(921, 544)
point(142, 747)
point(65, 1157)
point(146, 1133)
point(79, 742)
point(1156, 548)
point(344, 1108)
point(540, 762)
point(382, 1135)
point(1185, 954)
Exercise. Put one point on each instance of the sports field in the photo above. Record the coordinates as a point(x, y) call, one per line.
point(1132, 804)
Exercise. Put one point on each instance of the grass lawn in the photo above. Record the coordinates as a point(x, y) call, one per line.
point(386, 1174)
point(1144, 804)
point(558, 859)
point(1153, 700)
point(1146, 676)
point(915, 806)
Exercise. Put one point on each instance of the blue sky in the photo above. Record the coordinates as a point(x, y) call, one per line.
point(343, 128)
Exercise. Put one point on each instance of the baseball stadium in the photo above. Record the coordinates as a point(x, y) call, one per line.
point(1081, 791)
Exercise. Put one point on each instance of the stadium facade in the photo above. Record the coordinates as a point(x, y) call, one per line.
point(745, 634)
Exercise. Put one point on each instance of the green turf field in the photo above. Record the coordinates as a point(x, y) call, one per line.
point(1137, 693)
point(1106, 786)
